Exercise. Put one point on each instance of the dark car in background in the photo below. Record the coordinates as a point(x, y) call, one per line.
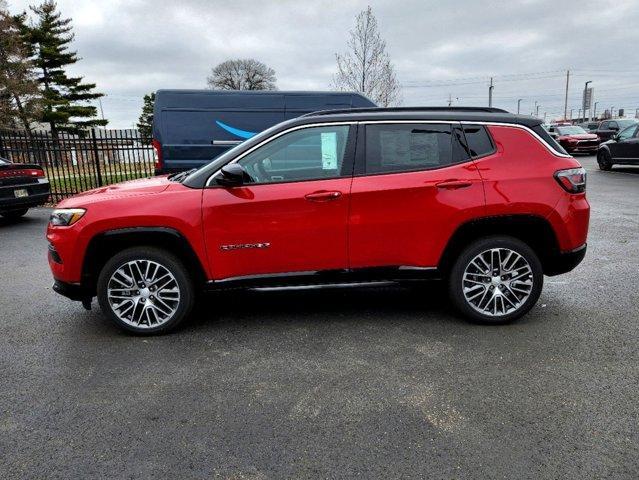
point(22, 186)
point(575, 139)
point(590, 127)
point(609, 128)
point(191, 127)
point(621, 149)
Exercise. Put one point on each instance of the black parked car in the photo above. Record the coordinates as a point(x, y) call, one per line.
point(590, 127)
point(22, 186)
point(608, 128)
point(622, 149)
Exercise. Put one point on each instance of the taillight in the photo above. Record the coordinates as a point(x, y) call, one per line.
point(572, 180)
point(157, 155)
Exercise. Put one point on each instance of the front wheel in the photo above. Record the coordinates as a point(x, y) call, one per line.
point(496, 280)
point(145, 290)
point(604, 160)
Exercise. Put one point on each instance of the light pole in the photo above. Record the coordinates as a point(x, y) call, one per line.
point(612, 112)
point(537, 110)
point(584, 99)
point(519, 105)
point(594, 111)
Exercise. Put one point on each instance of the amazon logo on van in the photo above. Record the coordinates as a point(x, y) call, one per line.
point(235, 131)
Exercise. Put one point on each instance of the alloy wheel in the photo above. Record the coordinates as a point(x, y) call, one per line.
point(497, 282)
point(143, 293)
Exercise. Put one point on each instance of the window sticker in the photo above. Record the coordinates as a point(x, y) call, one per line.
point(329, 150)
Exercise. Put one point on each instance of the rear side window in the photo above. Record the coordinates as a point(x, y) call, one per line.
point(478, 141)
point(545, 136)
point(407, 147)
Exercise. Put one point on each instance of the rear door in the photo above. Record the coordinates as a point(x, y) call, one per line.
point(413, 185)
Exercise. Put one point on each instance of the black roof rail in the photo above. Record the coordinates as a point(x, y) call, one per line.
point(406, 109)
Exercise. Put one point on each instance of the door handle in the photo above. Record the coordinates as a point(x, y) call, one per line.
point(453, 184)
point(323, 196)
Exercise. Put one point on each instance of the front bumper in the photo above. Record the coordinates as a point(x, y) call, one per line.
point(565, 261)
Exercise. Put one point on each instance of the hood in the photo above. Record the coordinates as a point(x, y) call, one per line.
point(582, 136)
point(131, 188)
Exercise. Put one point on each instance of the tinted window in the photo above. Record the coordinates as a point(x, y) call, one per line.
point(613, 125)
point(307, 154)
point(604, 125)
point(545, 136)
point(405, 147)
point(478, 140)
point(572, 130)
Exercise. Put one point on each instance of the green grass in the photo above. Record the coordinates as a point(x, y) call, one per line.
point(76, 183)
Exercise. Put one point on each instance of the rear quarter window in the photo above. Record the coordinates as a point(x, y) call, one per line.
point(478, 141)
point(545, 136)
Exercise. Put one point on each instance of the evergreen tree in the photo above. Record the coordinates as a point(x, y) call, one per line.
point(20, 98)
point(145, 122)
point(65, 98)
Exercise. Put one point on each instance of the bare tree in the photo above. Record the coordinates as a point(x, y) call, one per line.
point(242, 74)
point(20, 98)
point(366, 66)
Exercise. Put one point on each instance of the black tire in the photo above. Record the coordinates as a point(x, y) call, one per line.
point(167, 260)
point(456, 279)
point(14, 214)
point(604, 160)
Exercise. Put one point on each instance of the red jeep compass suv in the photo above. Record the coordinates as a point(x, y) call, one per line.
point(479, 197)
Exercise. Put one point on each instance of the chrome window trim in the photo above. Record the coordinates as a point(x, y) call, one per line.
point(522, 127)
point(270, 139)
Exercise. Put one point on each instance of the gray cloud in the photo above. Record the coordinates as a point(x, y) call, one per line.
point(439, 48)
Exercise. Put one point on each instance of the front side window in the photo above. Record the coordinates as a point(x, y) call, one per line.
point(627, 133)
point(312, 153)
point(407, 147)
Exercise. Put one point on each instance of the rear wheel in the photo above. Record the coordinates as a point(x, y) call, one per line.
point(604, 160)
point(496, 280)
point(13, 214)
point(145, 290)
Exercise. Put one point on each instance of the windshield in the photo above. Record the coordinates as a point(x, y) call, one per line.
point(625, 123)
point(573, 130)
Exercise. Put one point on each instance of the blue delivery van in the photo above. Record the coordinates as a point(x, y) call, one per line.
point(191, 127)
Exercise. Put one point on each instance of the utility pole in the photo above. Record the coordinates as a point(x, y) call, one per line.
point(584, 99)
point(537, 111)
point(594, 111)
point(450, 99)
point(566, 99)
point(612, 112)
point(490, 93)
point(519, 105)
point(571, 113)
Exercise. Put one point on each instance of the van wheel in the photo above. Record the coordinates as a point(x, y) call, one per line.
point(145, 290)
point(604, 160)
point(496, 280)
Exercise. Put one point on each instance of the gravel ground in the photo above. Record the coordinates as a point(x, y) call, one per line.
point(371, 383)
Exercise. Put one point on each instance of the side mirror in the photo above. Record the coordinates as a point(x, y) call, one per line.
point(232, 175)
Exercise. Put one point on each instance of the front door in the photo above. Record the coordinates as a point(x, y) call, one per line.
point(626, 147)
point(409, 191)
point(291, 218)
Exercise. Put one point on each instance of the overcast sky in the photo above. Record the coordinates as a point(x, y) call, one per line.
point(132, 47)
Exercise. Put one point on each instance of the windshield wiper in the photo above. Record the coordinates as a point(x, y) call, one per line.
point(178, 177)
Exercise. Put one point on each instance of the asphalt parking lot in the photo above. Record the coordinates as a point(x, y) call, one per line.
point(374, 383)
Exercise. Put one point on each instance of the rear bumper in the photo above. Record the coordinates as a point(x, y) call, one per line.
point(74, 291)
point(34, 200)
point(565, 261)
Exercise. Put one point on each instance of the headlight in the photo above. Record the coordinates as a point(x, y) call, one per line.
point(66, 216)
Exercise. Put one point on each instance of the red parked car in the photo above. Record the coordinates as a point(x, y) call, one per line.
point(481, 198)
point(22, 186)
point(575, 139)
